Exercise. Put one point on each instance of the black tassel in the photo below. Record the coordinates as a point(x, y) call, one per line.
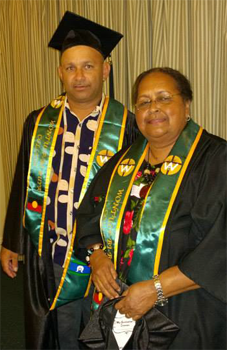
point(111, 82)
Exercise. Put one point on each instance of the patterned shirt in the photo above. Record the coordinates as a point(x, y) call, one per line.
point(72, 152)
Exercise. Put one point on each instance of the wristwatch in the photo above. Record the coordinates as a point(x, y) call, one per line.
point(161, 300)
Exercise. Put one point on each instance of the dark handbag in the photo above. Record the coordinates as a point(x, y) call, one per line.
point(153, 331)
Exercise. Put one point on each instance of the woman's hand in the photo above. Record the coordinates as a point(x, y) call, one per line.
point(104, 275)
point(139, 299)
point(141, 296)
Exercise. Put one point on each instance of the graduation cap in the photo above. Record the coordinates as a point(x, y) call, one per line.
point(75, 30)
point(153, 331)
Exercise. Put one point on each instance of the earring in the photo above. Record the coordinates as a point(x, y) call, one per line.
point(188, 118)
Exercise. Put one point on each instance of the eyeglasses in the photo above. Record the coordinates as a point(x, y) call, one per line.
point(160, 100)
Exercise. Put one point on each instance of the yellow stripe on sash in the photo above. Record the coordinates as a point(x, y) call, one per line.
point(121, 138)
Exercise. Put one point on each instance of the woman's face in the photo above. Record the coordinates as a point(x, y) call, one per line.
point(160, 121)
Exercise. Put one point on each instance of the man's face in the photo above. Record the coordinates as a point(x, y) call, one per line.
point(82, 71)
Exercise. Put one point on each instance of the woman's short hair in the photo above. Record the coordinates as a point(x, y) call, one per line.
point(182, 82)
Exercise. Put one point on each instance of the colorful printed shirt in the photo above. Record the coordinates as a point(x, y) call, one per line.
point(72, 152)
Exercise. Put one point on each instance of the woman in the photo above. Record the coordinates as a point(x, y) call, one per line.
point(162, 204)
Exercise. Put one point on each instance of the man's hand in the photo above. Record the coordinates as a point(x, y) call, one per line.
point(9, 262)
point(104, 274)
point(139, 299)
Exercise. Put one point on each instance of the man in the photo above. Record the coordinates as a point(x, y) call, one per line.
point(63, 147)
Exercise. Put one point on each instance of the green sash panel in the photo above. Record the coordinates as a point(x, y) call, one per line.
point(157, 206)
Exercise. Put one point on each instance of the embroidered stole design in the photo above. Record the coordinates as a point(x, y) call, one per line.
point(112, 122)
point(157, 205)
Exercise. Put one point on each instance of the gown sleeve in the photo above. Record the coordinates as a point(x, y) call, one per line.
point(206, 263)
point(13, 238)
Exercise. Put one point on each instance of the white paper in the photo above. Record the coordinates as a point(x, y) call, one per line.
point(122, 329)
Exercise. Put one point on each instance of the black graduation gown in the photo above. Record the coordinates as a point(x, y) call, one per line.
point(40, 324)
point(195, 240)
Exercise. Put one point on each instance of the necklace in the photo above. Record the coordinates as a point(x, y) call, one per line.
point(150, 172)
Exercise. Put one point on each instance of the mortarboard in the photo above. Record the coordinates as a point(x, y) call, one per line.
point(153, 331)
point(75, 30)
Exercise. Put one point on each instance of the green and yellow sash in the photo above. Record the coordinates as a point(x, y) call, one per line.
point(157, 205)
point(112, 122)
